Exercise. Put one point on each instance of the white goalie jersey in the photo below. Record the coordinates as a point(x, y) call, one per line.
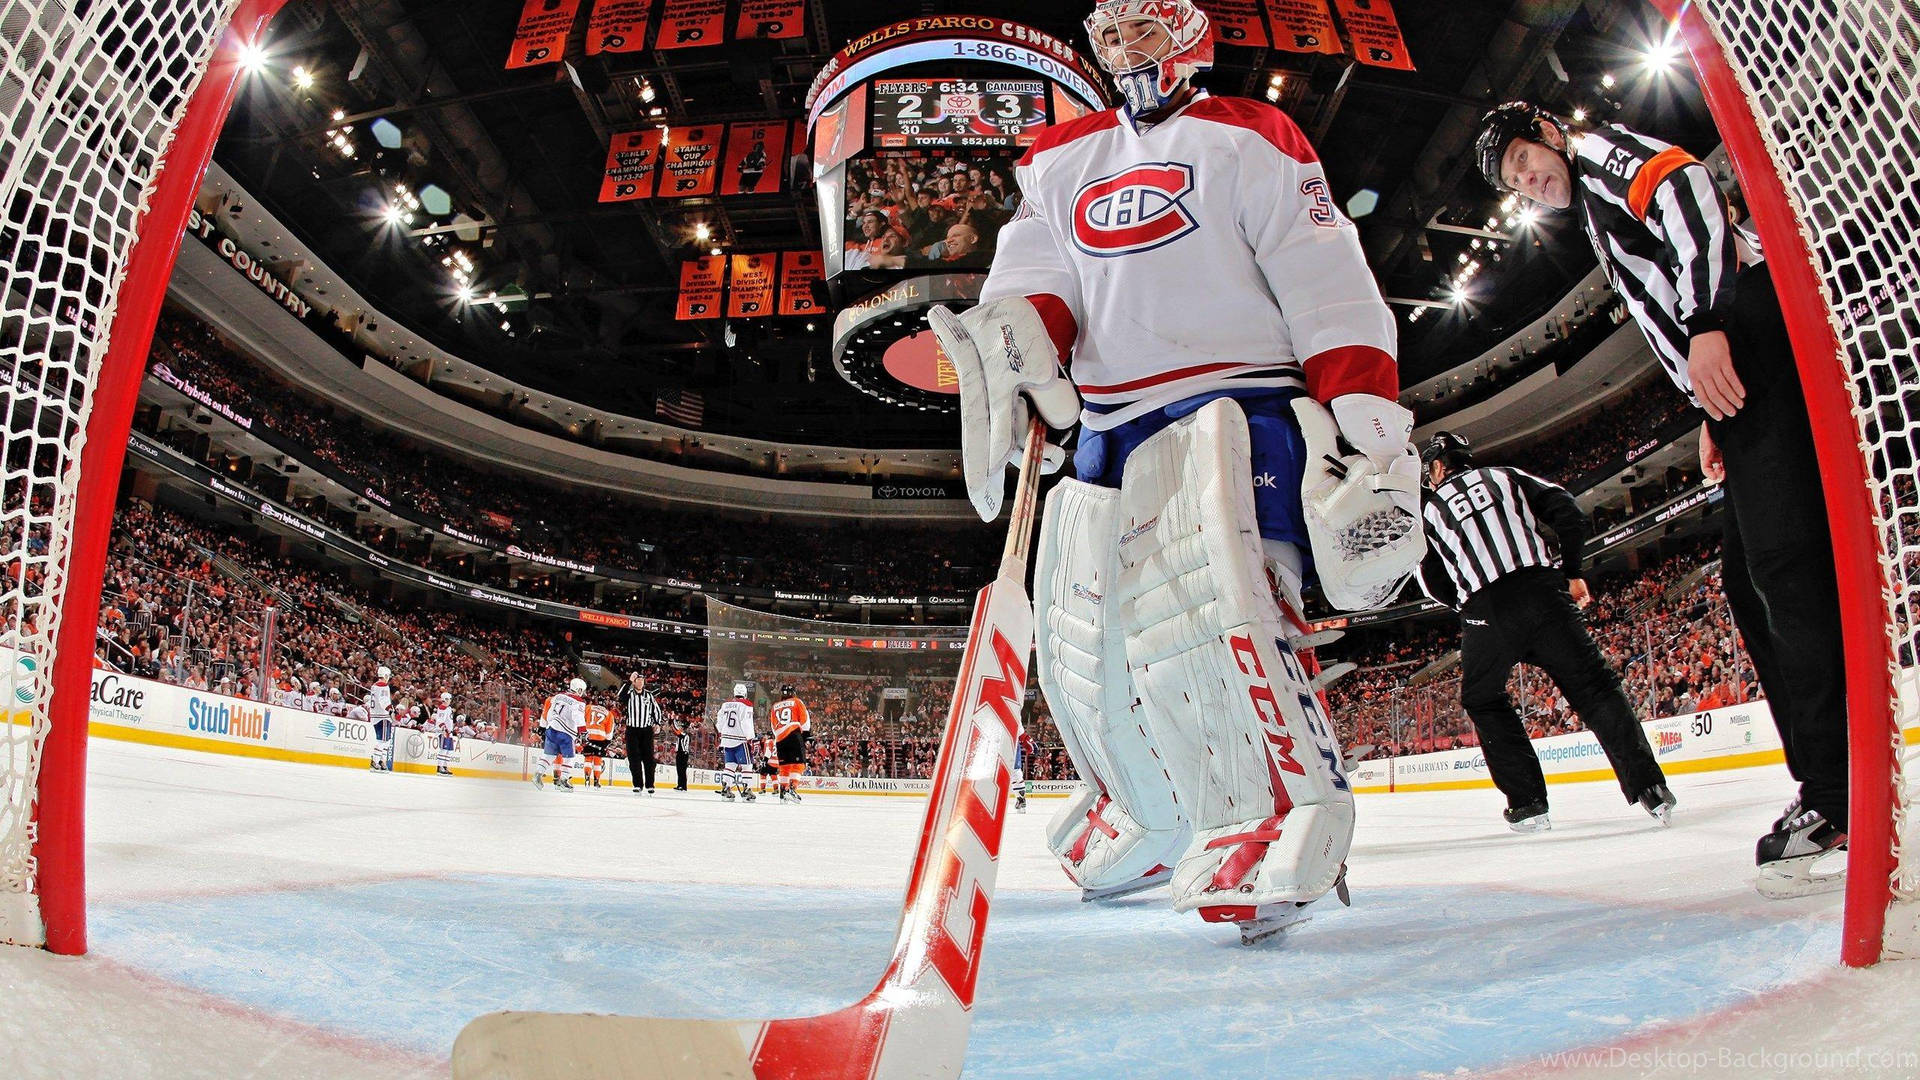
point(1205, 252)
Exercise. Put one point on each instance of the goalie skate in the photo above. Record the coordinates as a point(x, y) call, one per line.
point(1152, 879)
point(1804, 856)
point(1257, 924)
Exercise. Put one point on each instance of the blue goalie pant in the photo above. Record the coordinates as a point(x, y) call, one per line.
point(1279, 457)
point(559, 743)
point(735, 755)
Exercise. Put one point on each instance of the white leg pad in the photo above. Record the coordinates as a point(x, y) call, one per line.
point(1128, 823)
point(1244, 737)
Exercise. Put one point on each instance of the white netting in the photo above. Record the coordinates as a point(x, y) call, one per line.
point(1832, 83)
point(90, 94)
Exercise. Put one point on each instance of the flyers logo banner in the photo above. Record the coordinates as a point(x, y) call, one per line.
point(751, 294)
point(1375, 33)
point(771, 19)
point(617, 26)
point(542, 34)
point(798, 271)
point(690, 161)
point(632, 158)
point(756, 158)
point(1134, 211)
point(1303, 26)
point(700, 287)
point(1236, 22)
point(687, 23)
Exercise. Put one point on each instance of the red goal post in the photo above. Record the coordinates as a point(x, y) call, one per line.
point(1814, 101)
point(108, 116)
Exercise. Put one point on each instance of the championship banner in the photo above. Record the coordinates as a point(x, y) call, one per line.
point(686, 23)
point(700, 287)
point(771, 19)
point(750, 294)
point(756, 157)
point(1303, 26)
point(617, 26)
point(798, 271)
point(632, 159)
point(1375, 33)
point(542, 35)
point(690, 161)
point(1236, 22)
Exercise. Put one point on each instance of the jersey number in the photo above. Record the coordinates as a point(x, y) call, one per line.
point(1475, 497)
point(1321, 209)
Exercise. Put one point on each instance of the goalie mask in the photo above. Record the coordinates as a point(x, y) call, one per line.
point(1151, 48)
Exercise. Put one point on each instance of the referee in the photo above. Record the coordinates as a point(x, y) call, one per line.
point(1698, 285)
point(642, 711)
point(1488, 557)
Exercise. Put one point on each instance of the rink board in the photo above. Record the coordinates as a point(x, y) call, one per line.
point(160, 714)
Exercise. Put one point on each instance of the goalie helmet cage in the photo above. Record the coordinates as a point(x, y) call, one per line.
point(109, 110)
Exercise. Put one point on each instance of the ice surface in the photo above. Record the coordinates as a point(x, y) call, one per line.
point(267, 919)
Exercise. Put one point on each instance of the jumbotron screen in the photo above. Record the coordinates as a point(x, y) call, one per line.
point(928, 209)
point(909, 113)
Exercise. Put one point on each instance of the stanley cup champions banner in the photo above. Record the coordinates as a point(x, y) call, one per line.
point(690, 161)
point(632, 159)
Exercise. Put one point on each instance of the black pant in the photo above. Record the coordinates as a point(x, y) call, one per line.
point(1777, 559)
point(680, 770)
point(640, 756)
point(1528, 617)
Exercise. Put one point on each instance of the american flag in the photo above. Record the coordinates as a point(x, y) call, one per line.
point(683, 407)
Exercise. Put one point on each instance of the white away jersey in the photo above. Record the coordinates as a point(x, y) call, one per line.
point(379, 701)
point(441, 721)
point(734, 722)
point(566, 713)
point(1203, 253)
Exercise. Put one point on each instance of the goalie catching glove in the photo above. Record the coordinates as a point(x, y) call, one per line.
point(1003, 358)
point(1362, 509)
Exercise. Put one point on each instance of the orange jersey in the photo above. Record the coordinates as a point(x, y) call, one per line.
point(599, 725)
point(788, 717)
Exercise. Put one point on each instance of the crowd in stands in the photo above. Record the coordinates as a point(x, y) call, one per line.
point(1627, 422)
point(582, 526)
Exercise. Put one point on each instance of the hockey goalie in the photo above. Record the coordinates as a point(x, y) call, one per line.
point(1179, 283)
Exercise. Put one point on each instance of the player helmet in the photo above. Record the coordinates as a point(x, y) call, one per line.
point(446, 697)
point(1151, 48)
point(1499, 127)
point(578, 686)
point(739, 689)
point(385, 672)
point(333, 693)
point(786, 689)
point(1449, 448)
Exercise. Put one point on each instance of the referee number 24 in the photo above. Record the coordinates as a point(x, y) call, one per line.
point(1474, 497)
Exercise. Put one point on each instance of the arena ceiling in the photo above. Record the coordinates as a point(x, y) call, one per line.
point(518, 156)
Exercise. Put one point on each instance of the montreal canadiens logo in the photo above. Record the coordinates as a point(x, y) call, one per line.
point(1133, 211)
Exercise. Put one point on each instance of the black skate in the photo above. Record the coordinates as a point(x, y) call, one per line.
point(1806, 856)
point(747, 795)
point(726, 792)
point(1529, 818)
point(565, 783)
point(794, 793)
point(539, 779)
point(1659, 802)
point(1792, 811)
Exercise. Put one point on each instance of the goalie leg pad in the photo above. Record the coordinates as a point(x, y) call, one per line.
point(1128, 823)
point(1245, 739)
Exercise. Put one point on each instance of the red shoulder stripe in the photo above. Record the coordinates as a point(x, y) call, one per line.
point(1062, 134)
point(1257, 116)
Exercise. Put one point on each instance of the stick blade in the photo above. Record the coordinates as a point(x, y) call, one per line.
point(588, 1046)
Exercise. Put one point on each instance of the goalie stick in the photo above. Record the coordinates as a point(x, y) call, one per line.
point(915, 1021)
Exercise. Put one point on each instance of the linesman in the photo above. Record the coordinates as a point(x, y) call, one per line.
point(1698, 285)
point(643, 714)
point(1489, 556)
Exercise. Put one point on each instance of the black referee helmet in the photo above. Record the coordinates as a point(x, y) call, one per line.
point(1449, 449)
point(1499, 127)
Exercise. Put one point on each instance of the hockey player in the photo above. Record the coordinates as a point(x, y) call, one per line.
point(379, 705)
point(594, 737)
point(564, 715)
point(735, 724)
point(336, 705)
point(769, 768)
point(440, 731)
point(791, 726)
point(1023, 750)
point(1239, 438)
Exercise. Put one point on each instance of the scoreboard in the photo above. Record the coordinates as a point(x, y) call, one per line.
point(913, 113)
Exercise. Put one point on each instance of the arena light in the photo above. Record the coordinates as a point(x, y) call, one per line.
point(1579, 115)
point(393, 216)
point(465, 294)
point(702, 232)
point(253, 58)
point(1606, 80)
point(1660, 56)
point(303, 78)
point(1528, 216)
point(1458, 296)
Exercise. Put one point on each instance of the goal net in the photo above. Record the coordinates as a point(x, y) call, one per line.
point(877, 696)
point(92, 96)
point(1816, 100)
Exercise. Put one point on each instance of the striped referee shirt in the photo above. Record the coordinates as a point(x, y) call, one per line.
point(1483, 524)
point(1659, 225)
point(641, 708)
